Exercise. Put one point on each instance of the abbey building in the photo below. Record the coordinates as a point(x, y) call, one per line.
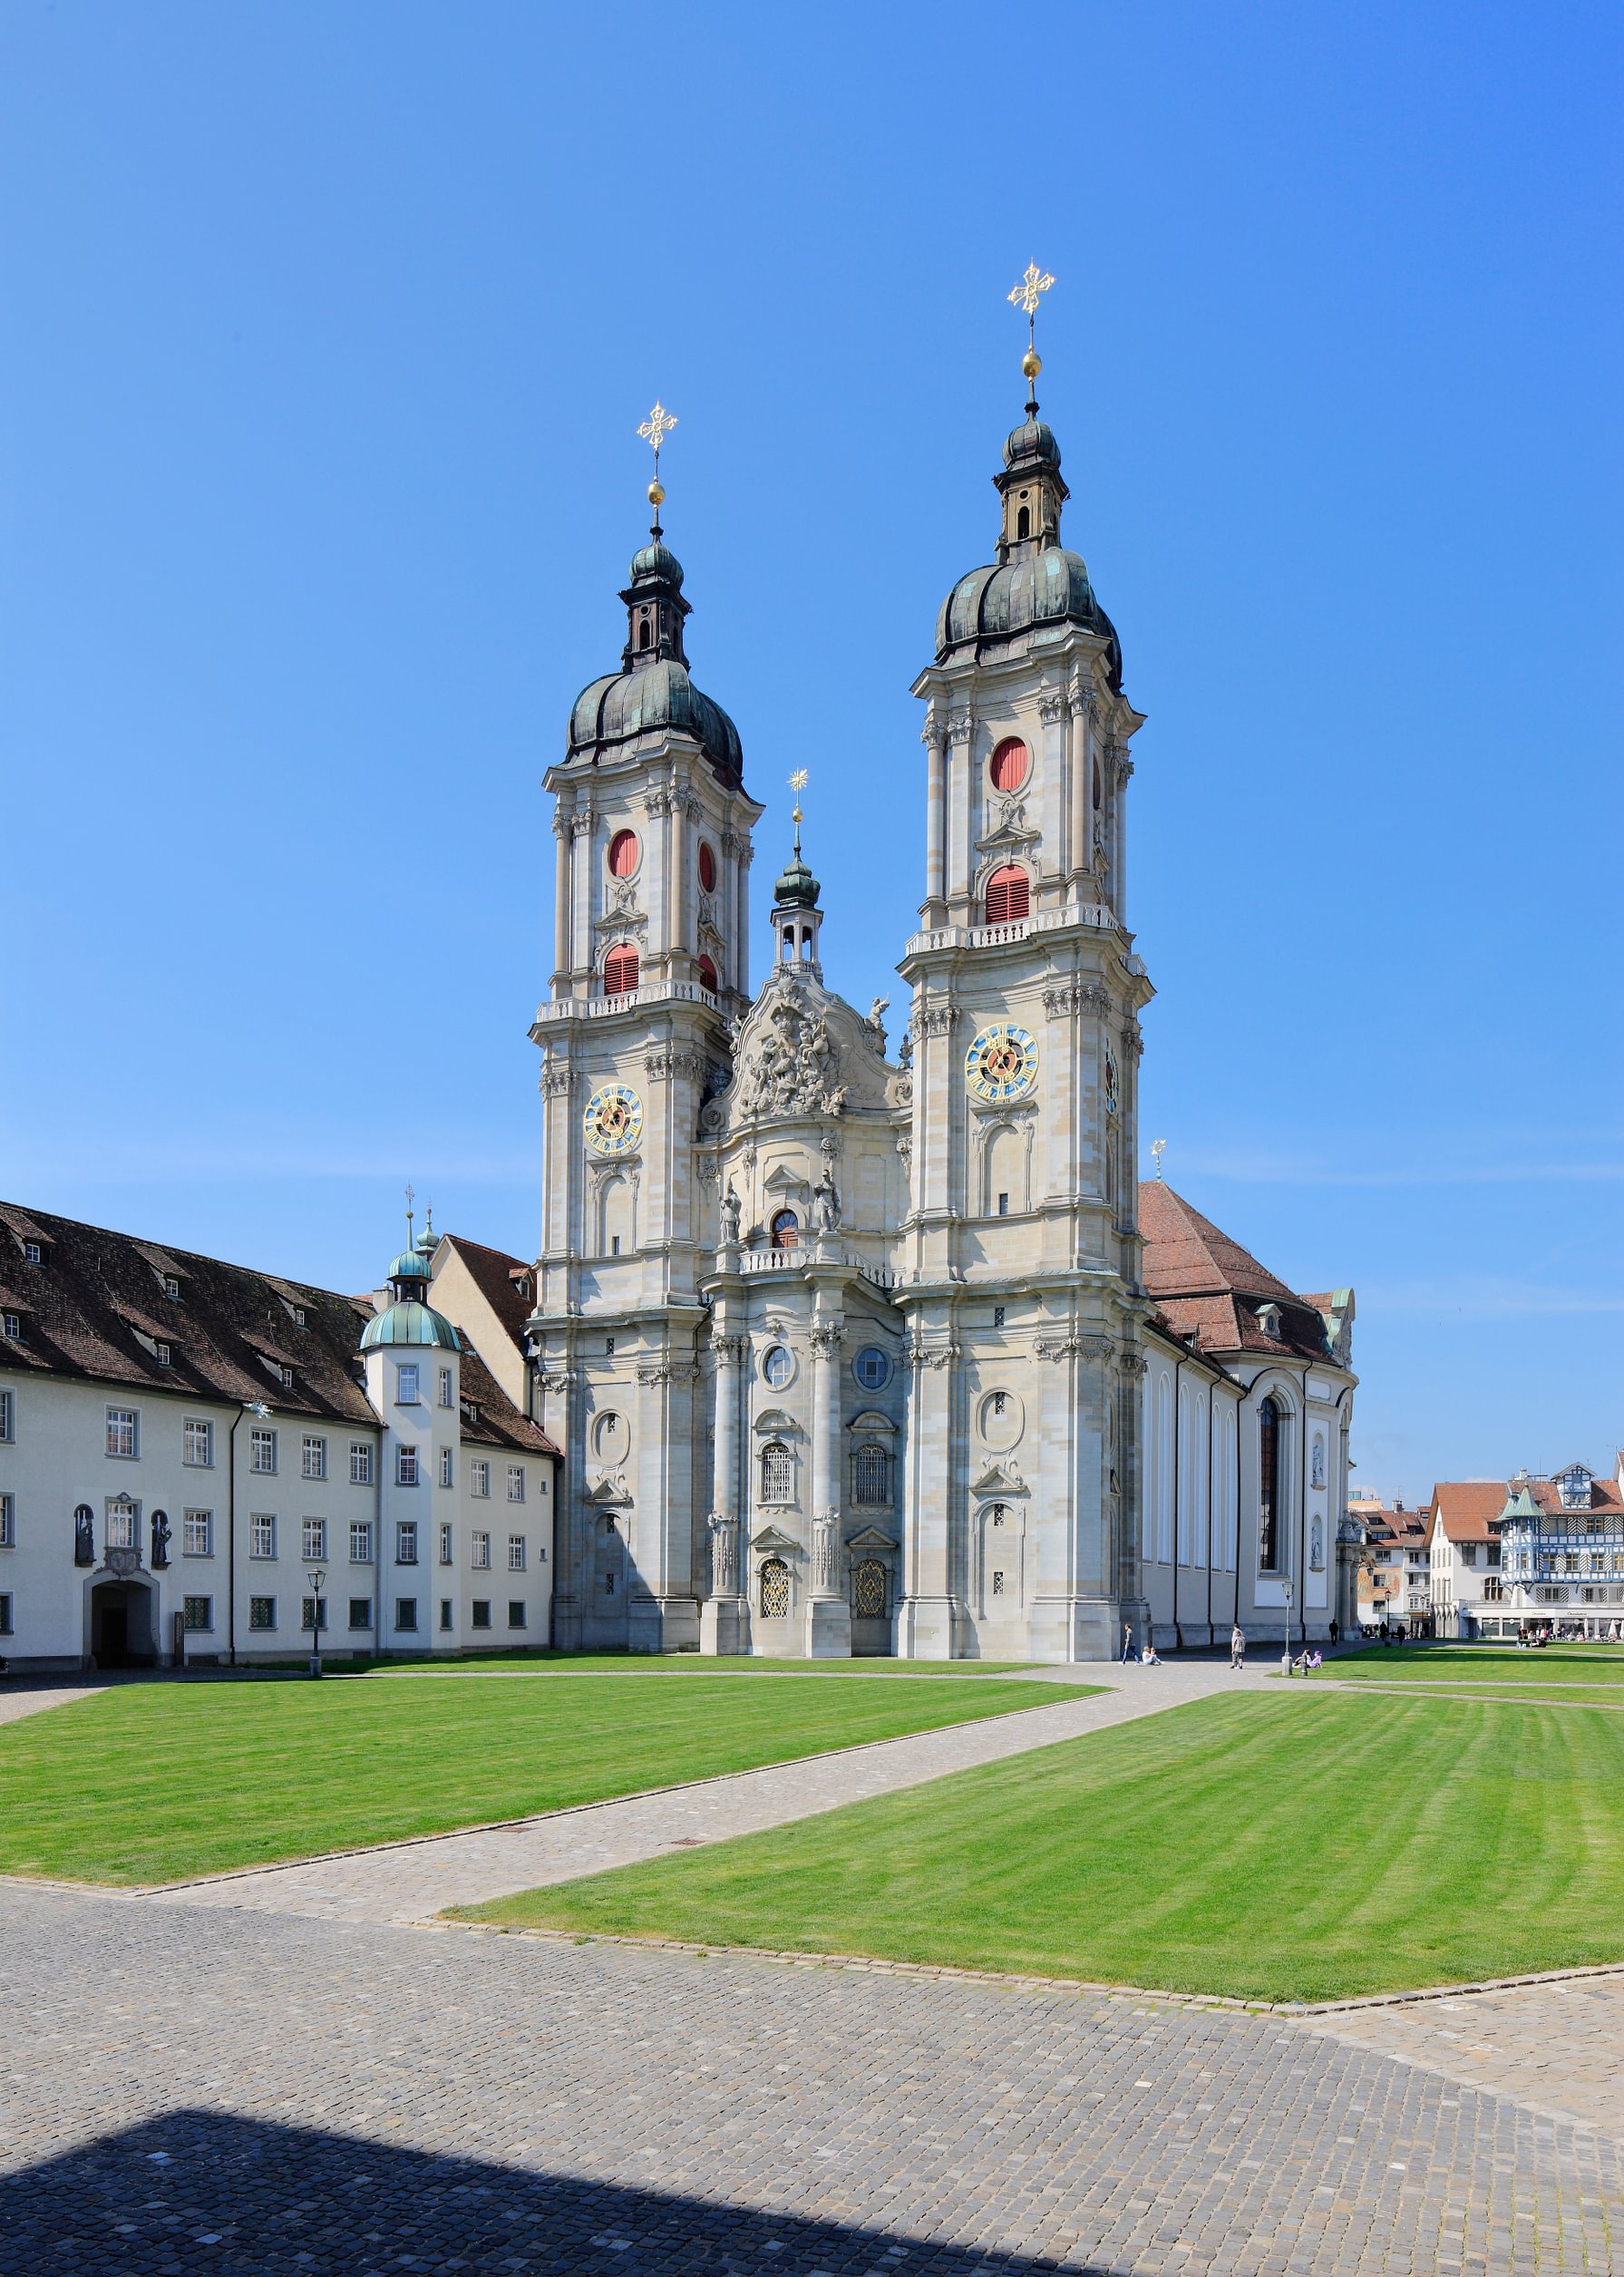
point(862, 1345)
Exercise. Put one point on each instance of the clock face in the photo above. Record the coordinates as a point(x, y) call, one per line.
point(614, 1119)
point(1002, 1063)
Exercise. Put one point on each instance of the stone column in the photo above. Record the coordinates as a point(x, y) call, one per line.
point(828, 1619)
point(723, 1620)
point(560, 909)
point(935, 911)
point(582, 834)
point(928, 1617)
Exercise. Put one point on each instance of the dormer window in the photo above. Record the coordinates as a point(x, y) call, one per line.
point(32, 1254)
point(299, 1315)
point(172, 1288)
point(161, 1353)
point(1268, 1320)
point(285, 1373)
point(14, 1327)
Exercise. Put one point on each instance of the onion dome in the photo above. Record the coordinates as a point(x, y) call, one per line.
point(652, 694)
point(411, 1265)
point(1031, 445)
point(409, 1319)
point(796, 889)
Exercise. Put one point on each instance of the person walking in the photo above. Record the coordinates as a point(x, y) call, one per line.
point(1127, 1643)
point(1237, 1647)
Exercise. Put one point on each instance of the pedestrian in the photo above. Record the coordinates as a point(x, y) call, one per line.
point(1128, 1653)
point(1237, 1648)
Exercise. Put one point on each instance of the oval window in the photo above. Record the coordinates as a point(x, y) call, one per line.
point(708, 867)
point(624, 853)
point(1011, 764)
point(872, 1368)
point(778, 1368)
point(707, 975)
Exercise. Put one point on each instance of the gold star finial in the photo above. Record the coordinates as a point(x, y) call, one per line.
point(1026, 297)
point(654, 431)
point(798, 783)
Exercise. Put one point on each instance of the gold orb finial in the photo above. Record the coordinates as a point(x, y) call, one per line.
point(657, 495)
point(1031, 363)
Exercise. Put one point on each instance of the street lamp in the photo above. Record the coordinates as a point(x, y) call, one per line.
point(1286, 1585)
point(315, 1577)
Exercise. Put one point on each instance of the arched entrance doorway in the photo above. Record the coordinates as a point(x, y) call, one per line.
point(121, 1624)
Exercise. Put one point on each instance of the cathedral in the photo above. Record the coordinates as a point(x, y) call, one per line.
point(861, 1349)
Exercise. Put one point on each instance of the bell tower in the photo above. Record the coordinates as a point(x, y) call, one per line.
point(1019, 1261)
point(650, 968)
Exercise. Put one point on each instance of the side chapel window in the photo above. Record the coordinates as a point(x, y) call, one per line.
point(775, 1472)
point(1269, 1453)
point(776, 1590)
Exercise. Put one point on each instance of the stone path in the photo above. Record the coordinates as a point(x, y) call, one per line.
point(15, 1705)
point(412, 1881)
point(272, 2095)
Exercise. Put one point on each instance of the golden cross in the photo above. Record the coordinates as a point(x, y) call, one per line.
point(798, 783)
point(655, 429)
point(1025, 294)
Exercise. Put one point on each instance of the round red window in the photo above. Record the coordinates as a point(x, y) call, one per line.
point(707, 975)
point(708, 867)
point(1011, 764)
point(623, 851)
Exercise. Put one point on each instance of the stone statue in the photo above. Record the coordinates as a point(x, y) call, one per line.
point(85, 1536)
point(905, 1054)
point(730, 1210)
point(875, 1023)
point(160, 1538)
point(826, 1199)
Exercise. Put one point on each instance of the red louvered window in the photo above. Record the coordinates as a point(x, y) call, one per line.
point(620, 970)
point(1008, 895)
point(623, 853)
point(707, 975)
point(708, 867)
point(1011, 764)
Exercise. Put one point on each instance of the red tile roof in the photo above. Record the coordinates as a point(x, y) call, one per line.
point(1210, 1289)
point(491, 1272)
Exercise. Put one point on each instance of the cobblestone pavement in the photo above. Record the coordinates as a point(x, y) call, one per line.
point(199, 2090)
point(1557, 2046)
point(408, 1881)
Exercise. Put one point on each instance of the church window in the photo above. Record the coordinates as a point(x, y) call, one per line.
point(785, 1230)
point(614, 1245)
point(1008, 895)
point(996, 1514)
point(1003, 1205)
point(624, 852)
point(868, 1483)
point(998, 1316)
point(1098, 793)
point(620, 970)
point(872, 1368)
point(776, 1590)
point(998, 1588)
point(643, 633)
point(1023, 522)
point(707, 866)
point(867, 1590)
point(1270, 1482)
point(1000, 1401)
point(775, 1472)
point(1011, 761)
point(707, 974)
point(778, 1368)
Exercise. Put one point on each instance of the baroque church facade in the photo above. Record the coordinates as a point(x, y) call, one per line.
point(850, 1347)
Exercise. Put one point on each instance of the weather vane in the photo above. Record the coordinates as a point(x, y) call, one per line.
point(798, 783)
point(411, 1198)
point(654, 431)
point(1026, 297)
point(1158, 1148)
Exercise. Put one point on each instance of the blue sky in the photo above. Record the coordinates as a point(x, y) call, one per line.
point(326, 333)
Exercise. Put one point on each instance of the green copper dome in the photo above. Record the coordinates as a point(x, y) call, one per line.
point(409, 1265)
point(646, 701)
point(796, 887)
point(408, 1322)
point(996, 605)
point(1031, 446)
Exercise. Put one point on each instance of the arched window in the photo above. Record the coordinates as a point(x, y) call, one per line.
point(996, 1514)
point(1008, 895)
point(775, 1472)
point(1010, 762)
point(707, 866)
point(786, 1231)
point(707, 975)
point(1023, 522)
point(1270, 1481)
point(868, 1474)
point(623, 851)
point(776, 1590)
point(620, 970)
point(867, 1590)
point(643, 634)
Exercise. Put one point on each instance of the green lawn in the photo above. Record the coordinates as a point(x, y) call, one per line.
point(150, 1783)
point(691, 1663)
point(1599, 1665)
point(1259, 1847)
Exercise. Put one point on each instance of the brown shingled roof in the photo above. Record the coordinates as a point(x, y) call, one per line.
point(492, 1271)
point(495, 1421)
point(1210, 1288)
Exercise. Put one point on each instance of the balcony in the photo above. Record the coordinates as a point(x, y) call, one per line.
point(634, 999)
point(768, 1261)
point(1090, 915)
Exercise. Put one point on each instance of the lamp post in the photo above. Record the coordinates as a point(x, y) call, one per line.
point(1286, 1585)
point(315, 1577)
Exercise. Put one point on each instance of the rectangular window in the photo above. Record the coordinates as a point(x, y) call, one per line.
point(123, 1522)
point(1003, 1205)
point(479, 1480)
point(199, 1613)
point(8, 1522)
point(262, 1536)
point(405, 1466)
point(299, 1315)
point(313, 1614)
point(197, 1533)
point(8, 1425)
point(161, 1352)
point(446, 1387)
point(121, 1430)
point(516, 1554)
point(1468, 1554)
point(516, 1481)
point(445, 1543)
point(405, 1613)
point(12, 1323)
point(197, 1445)
point(998, 1316)
point(405, 1543)
point(262, 1612)
point(262, 1455)
point(445, 1612)
point(314, 1457)
point(360, 1612)
point(447, 1474)
point(479, 1552)
point(361, 1542)
point(314, 1536)
point(360, 1464)
point(32, 1254)
point(172, 1288)
point(5, 1628)
point(515, 1613)
point(482, 1612)
point(405, 1384)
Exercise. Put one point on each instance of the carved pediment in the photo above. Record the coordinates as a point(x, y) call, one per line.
point(871, 1538)
point(869, 1422)
point(611, 1492)
point(775, 1541)
point(1001, 1477)
point(782, 1180)
point(799, 1054)
point(776, 1423)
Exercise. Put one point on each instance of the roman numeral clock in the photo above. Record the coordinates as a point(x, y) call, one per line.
point(1001, 1064)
